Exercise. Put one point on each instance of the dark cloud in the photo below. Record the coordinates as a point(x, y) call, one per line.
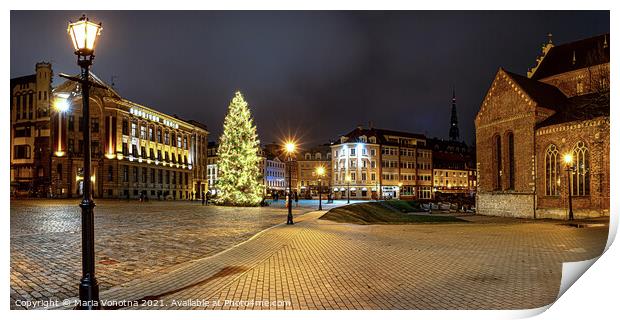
point(315, 73)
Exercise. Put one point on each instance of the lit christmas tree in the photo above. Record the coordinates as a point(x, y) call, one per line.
point(238, 166)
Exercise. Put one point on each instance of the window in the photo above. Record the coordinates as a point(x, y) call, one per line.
point(352, 151)
point(125, 127)
point(158, 135)
point(142, 152)
point(125, 150)
point(59, 171)
point(373, 152)
point(151, 135)
point(161, 176)
point(552, 171)
point(179, 141)
point(498, 162)
point(134, 150)
point(511, 161)
point(110, 173)
point(71, 121)
point(125, 173)
point(152, 175)
point(581, 174)
point(94, 124)
point(167, 137)
point(22, 132)
point(373, 176)
point(159, 156)
point(142, 132)
point(143, 175)
point(134, 129)
point(134, 174)
point(151, 154)
point(352, 176)
point(363, 176)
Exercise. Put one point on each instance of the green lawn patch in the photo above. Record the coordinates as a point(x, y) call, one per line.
point(376, 213)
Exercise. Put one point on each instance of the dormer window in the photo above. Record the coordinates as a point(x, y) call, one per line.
point(308, 156)
point(317, 156)
point(343, 139)
point(363, 139)
point(373, 140)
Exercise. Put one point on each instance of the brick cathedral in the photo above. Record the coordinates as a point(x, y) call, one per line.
point(528, 124)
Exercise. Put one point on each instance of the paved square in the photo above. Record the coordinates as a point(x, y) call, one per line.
point(132, 240)
point(172, 256)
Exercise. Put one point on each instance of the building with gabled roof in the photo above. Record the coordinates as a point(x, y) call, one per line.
point(527, 124)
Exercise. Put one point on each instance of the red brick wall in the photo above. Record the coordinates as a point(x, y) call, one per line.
point(506, 109)
point(595, 134)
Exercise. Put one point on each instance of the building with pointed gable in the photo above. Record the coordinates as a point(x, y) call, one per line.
point(527, 124)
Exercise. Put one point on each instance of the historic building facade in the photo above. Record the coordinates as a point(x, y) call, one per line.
point(309, 160)
point(136, 150)
point(368, 163)
point(528, 124)
point(454, 171)
point(30, 132)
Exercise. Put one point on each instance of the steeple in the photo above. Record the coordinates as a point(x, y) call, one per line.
point(454, 122)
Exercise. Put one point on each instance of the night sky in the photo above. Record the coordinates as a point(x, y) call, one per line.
point(315, 75)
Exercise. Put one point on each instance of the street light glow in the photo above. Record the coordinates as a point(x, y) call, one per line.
point(61, 104)
point(568, 159)
point(290, 147)
point(84, 35)
point(320, 171)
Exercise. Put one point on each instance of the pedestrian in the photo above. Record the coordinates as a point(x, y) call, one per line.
point(296, 199)
point(206, 198)
point(203, 198)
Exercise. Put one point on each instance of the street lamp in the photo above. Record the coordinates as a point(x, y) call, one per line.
point(84, 38)
point(348, 180)
point(568, 161)
point(400, 187)
point(289, 147)
point(320, 172)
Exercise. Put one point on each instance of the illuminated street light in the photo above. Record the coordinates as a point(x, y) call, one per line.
point(568, 161)
point(320, 172)
point(84, 36)
point(290, 147)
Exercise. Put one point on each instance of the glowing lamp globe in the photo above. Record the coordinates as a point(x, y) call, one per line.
point(320, 171)
point(61, 104)
point(84, 35)
point(568, 159)
point(290, 147)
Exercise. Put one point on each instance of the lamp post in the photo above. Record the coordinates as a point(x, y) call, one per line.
point(320, 172)
point(568, 161)
point(290, 148)
point(400, 187)
point(348, 180)
point(84, 38)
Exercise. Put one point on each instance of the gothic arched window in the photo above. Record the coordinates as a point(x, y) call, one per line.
point(552, 171)
point(511, 161)
point(581, 174)
point(497, 161)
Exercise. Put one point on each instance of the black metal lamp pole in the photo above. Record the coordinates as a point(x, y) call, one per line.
point(348, 191)
point(89, 287)
point(289, 217)
point(320, 205)
point(84, 34)
point(570, 194)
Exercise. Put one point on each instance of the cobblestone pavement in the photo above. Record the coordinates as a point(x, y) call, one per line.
point(488, 263)
point(133, 240)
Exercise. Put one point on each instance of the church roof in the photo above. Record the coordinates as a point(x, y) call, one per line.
point(574, 55)
point(579, 108)
point(544, 94)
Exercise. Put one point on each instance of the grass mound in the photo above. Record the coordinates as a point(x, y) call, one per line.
point(376, 213)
